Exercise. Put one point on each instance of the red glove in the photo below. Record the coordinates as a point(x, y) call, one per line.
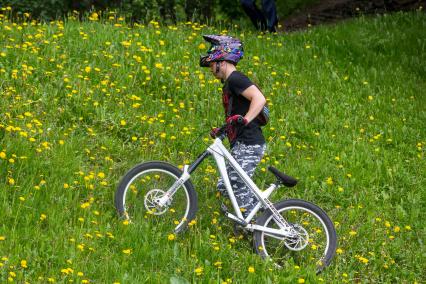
point(214, 132)
point(237, 119)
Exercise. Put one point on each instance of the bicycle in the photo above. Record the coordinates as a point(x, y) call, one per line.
point(170, 201)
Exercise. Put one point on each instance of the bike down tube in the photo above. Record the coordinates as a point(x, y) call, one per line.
point(218, 155)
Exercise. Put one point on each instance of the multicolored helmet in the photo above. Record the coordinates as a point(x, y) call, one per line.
point(223, 48)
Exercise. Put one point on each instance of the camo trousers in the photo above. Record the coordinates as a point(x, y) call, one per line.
point(248, 157)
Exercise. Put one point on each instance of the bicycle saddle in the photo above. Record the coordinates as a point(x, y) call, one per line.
point(283, 178)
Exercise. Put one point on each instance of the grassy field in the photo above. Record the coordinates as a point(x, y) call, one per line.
point(83, 102)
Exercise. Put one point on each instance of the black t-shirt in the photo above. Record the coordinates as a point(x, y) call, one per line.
point(234, 86)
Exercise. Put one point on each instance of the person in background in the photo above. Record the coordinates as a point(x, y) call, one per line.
point(265, 19)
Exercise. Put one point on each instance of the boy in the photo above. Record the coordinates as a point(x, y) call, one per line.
point(243, 102)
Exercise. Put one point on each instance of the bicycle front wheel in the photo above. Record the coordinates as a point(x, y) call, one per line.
point(136, 195)
point(312, 240)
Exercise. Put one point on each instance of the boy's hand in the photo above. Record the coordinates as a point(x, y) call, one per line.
point(237, 119)
point(214, 132)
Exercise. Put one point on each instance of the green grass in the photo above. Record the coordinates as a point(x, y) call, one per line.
point(348, 119)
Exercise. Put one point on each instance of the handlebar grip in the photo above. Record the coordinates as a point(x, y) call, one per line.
point(240, 120)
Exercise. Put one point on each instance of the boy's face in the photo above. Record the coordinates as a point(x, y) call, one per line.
point(213, 68)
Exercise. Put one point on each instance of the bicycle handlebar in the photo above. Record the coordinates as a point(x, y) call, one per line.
point(222, 131)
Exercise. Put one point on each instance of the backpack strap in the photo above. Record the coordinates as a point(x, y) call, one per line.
point(230, 99)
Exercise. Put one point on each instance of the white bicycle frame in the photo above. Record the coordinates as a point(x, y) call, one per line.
point(220, 154)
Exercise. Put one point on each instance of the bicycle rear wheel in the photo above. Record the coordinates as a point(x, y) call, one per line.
point(313, 244)
point(141, 186)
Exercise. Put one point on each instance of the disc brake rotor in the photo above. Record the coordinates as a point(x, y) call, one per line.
point(151, 202)
point(300, 241)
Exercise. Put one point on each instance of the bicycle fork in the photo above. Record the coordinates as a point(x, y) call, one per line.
point(166, 198)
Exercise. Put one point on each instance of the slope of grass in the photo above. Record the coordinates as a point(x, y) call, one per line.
point(82, 102)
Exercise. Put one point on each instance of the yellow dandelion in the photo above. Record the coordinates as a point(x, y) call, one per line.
point(171, 237)
point(198, 271)
point(127, 251)
point(85, 205)
point(251, 269)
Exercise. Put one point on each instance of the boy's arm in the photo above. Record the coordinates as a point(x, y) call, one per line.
point(257, 101)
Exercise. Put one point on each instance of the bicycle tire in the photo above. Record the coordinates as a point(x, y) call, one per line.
point(151, 171)
point(291, 206)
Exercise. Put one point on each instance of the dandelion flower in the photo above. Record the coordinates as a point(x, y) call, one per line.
point(171, 237)
point(198, 271)
point(127, 251)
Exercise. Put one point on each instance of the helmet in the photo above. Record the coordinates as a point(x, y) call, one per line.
point(223, 48)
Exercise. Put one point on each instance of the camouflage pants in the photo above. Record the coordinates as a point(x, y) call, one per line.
point(248, 157)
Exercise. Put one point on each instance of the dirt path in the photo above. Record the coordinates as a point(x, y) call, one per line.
point(331, 11)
